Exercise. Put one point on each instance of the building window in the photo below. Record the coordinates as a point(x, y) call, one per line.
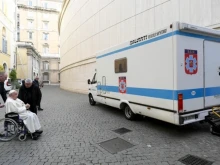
point(29, 3)
point(46, 77)
point(37, 65)
point(44, 5)
point(45, 65)
point(18, 35)
point(45, 36)
point(4, 41)
point(30, 24)
point(34, 62)
point(45, 49)
point(45, 25)
point(30, 35)
point(121, 65)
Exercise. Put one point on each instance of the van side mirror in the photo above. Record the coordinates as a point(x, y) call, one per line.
point(89, 82)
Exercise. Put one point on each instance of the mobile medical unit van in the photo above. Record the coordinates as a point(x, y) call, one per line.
point(172, 75)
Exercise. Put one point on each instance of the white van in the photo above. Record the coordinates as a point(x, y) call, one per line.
point(172, 74)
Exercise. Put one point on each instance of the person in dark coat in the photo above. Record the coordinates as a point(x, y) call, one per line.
point(36, 83)
point(30, 94)
point(2, 88)
point(23, 82)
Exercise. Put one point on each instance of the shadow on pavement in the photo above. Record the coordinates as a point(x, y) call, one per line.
point(158, 125)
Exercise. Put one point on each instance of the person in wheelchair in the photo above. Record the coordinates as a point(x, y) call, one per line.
point(30, 119)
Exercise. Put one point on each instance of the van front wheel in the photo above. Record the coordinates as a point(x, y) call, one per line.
point(128, 113)
point(91, 100)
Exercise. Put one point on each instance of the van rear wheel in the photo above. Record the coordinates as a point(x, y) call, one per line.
point(91, 100)
point(128, 113)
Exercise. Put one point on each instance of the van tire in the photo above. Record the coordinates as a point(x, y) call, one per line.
point(91, 100)
point(128, 113)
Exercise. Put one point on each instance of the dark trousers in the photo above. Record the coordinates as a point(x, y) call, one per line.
point(33, 108)
point(4, 97)
point(40, 98)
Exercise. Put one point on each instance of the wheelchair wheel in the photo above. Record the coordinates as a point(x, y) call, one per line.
point(22, 137)
point(8, 129)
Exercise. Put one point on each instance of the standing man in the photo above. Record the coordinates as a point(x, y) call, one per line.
point(30, 94)
point(2, 88)
point(36, 83)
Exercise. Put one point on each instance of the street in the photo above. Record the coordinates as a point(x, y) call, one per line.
point(74, 132)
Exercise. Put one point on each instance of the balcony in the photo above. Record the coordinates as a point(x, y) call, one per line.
point(50, 55)
point(50, 70)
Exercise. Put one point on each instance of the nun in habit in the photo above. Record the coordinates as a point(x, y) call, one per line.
point(30, 119)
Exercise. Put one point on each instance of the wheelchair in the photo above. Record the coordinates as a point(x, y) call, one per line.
point(12, 126)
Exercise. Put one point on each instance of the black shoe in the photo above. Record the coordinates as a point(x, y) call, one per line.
point(2, 135)
point(34, 136)
point(40, 109)
point(39, 132)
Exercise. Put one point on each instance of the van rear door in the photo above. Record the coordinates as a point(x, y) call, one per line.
point(211, 73)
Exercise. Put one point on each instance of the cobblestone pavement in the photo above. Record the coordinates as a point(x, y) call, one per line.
point(73, 129)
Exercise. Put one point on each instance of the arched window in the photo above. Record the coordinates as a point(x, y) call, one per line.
point(5, 67)
point(4, 41)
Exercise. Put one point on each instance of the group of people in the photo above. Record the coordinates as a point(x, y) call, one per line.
point(26, 103)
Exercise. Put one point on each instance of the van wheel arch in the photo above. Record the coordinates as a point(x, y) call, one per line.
point(91, 100)
point(129, 114)
point(122, 106)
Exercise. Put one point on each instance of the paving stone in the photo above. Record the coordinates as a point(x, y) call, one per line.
point(73, 129)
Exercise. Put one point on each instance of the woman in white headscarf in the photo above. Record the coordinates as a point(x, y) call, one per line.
point(31, 121)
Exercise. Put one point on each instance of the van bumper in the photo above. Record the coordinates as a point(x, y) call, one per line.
point(193, 117)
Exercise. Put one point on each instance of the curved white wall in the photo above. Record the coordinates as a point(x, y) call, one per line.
point(89, 26)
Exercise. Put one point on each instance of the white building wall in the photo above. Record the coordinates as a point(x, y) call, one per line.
point(90, 26)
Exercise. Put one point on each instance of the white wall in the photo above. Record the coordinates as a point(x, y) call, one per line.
point(89, 26)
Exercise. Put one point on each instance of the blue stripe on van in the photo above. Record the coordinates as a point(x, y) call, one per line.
point(160, 38)
point(212, 91)
point(165, 94)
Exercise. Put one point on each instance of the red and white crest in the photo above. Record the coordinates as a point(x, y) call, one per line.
point(191, 62)
point(122, 85)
